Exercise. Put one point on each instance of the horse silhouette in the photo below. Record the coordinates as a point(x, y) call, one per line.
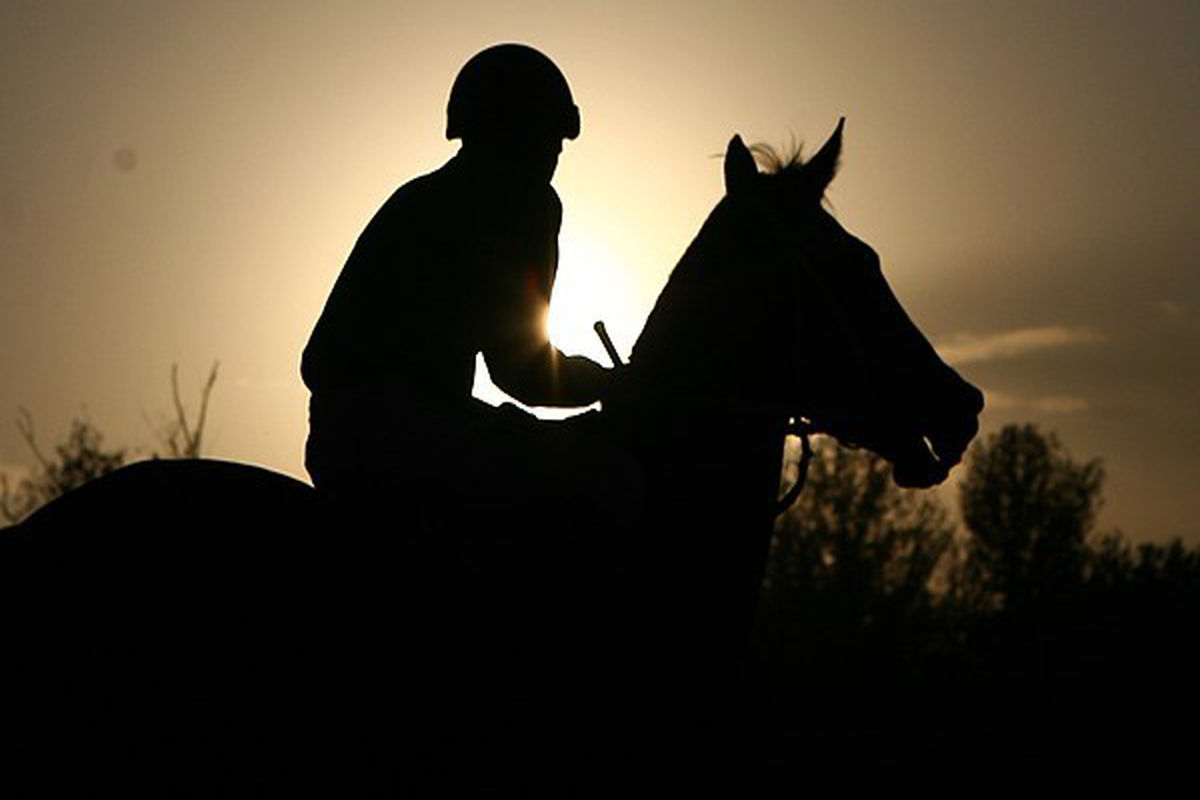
point(200, 625)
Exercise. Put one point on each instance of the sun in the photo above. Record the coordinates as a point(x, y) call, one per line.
point(590, 286)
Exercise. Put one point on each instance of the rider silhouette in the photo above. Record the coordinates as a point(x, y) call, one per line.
point(456, 262)
point(481, 504)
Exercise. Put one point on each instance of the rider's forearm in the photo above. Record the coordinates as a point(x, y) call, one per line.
point(552, 379)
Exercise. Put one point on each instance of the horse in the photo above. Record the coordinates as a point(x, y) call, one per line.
point(775, 317)
point(775, 314)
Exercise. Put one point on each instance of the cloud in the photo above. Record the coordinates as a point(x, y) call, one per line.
point(1001, 401)
point(1047, 404)
point(967, 348)
point(1061, 404)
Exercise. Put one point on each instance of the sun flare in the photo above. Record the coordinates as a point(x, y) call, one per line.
point(590, 286)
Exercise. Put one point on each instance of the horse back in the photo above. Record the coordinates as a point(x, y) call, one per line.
point(167, 625)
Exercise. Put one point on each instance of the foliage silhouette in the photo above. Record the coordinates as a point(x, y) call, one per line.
point(848, 615)
point(868, 548)
point(1090, 641)
point(1030, 509)
point(78, 460)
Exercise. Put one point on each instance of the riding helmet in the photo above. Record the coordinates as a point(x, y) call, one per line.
point(510, 91)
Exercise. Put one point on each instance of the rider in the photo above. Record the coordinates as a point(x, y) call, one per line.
point(456, 262)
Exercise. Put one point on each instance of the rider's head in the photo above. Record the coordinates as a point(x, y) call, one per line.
point(512, 99)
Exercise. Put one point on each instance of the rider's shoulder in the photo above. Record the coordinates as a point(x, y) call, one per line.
point(425, 188)
point(420, 197)
point(454, 193)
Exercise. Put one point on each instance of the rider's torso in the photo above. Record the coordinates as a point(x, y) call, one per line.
point(442, 271)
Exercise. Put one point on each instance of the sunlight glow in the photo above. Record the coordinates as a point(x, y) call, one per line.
point(591, 285)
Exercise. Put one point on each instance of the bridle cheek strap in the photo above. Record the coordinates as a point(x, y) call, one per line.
point(799, 427)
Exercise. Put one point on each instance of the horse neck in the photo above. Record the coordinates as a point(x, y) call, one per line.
point(708, 435)
point(712, 334)
point(710, 480)
point(705, 367)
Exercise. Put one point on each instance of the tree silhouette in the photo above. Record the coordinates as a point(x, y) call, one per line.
point(80, 459)
point(1029, 657)
point(869, 549)
point(1030, 509)
point(847, 617)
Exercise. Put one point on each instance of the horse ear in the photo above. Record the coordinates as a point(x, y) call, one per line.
point(820, 169)
point(740, 168)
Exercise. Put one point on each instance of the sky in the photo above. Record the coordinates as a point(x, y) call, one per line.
point(181, 183)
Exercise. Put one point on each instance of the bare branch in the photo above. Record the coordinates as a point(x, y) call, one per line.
point(182, 440)
point(16, 505)
point(181, 423)
point(25, 426)
point(195, 439)
point(7, 507)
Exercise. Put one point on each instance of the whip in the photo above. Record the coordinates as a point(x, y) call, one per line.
point(602, 332)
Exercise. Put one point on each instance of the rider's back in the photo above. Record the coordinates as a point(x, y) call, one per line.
point(437, 276)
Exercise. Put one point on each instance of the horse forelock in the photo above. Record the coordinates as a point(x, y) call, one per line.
point(775, 161)
point(784, 166)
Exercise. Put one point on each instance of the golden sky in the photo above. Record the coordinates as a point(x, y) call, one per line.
point(181, 182)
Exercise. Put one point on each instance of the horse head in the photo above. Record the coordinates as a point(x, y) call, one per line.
point(791, 313)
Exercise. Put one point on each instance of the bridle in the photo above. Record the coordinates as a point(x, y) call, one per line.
point(801, 428)
point(797, 425)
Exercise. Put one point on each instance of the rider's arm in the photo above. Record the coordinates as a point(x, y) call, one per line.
point(533, 371)
point(520, 358)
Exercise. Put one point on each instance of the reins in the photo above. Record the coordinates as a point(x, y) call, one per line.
point(797, 426)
